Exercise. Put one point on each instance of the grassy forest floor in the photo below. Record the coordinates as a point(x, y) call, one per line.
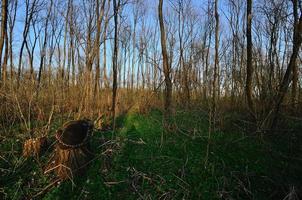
point(146, 162)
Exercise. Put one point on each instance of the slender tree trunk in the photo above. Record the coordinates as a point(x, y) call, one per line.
point(28, 18)
point(249, 59)
point(129, 68)
point(11, 60)
point(53, 42)
point(294, 99)
point(5, 59)
point(43, 53)
point(125, 65)
point(71, 50)
point(99, 14)
point(207, 87)
point(65, 39)
point(3, 30)
point(12, 20)
point(106, 82)
point(212, 113)
point(297, 40)
point(166, 66)
point(134, 51)
point(114, 60)
point(31, 53)
point(214, 89)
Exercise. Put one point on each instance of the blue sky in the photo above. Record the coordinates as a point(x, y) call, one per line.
point(151, 15)
point(150, 18)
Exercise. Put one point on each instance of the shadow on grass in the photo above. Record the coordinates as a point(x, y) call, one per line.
point(138, 165)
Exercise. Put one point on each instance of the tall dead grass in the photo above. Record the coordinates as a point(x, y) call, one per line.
point(33, 108)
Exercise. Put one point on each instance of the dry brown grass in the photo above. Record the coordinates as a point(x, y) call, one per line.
point(34, 146)
point(32, 107)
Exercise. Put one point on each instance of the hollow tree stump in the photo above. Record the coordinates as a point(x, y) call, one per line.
point(72, 152)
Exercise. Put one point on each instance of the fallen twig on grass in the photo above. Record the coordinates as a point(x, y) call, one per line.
point(110, 183)
point(140, 141)
point(47, 188)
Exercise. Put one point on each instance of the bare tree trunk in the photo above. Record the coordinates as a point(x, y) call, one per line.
point(54, 39)
point(249, 59)
point(214, 90)
point(183, 67)
point(212, 113)
point(99, 14)
point(106, 82)
point(125, 65)
point(294, 99)
point(65, 38)
point(31, 51)
point(166, 66)
point(72, 45)
point(43, 51)
point(297, 40)
point(3, 30)
point(207, 54)
point(28, 18)
point(133, 49)
point(116, 6)
point(72, 49)
point(5, 59)
point(12, 21)
point(129, 67)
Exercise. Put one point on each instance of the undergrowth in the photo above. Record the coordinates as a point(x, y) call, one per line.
point(146, 160)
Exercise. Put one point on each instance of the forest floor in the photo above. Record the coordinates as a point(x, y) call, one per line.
point(144, 161)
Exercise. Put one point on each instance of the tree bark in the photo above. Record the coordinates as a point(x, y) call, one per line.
point(12, 20)
point(166, 66)
point(249, 59)
point(295, 66)
point(214, 90)
point(106, 81)
point(3, 31)
point(43, 53)
point(297, 40)
point(114, 60)
point(5, 59)
point(99, 14)
point(28, 18)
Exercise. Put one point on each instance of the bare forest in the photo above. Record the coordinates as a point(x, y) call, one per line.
point(150, 99)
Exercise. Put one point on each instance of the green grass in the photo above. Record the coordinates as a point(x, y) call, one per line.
point(149, 162)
